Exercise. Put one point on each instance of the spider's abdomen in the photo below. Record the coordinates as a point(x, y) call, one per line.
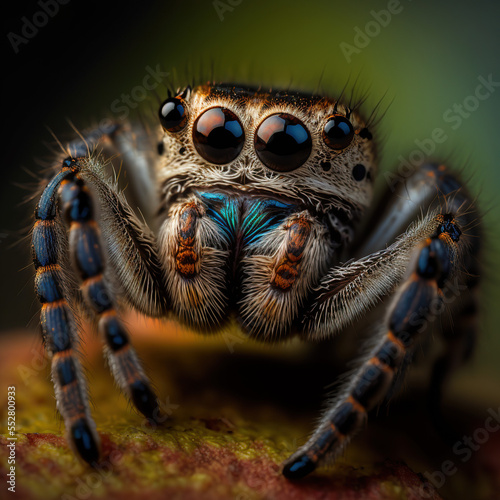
point(233, 253)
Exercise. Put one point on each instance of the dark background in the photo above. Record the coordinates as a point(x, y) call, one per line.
point(52, 79)
point(427, 58)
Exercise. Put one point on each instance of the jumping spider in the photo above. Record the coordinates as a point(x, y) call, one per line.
point(259, 196)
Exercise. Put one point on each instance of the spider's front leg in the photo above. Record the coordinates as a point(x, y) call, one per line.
point(427, 257)
point(127, 245)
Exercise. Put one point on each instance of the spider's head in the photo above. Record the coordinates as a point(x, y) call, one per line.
point(307, 149)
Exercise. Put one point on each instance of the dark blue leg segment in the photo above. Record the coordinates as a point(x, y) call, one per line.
point(83, 441)
point(299, 468)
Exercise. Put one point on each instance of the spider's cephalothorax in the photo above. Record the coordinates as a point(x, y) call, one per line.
point(258, 196)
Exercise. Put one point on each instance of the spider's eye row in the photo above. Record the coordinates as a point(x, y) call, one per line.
point(338, 132)
point(218, 135)
point(173, 114)
point(282, 142)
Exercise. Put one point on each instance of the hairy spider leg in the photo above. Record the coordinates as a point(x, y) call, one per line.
point(85, 249)
point(58, 325)
point(434, 185)
point(57, 318)
point(418, 295)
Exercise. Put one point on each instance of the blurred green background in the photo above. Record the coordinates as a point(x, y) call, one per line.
point(425, 60)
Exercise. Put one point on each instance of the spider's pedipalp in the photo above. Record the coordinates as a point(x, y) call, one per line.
point(279, 273)
point(195, 258)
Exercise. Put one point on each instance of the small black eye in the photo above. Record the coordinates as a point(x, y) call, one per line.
point(282, 142)
point(364, 133)
point(359, 172)
point(173, 116)
point(218, 135)
point(338, 132)
point(325, 165)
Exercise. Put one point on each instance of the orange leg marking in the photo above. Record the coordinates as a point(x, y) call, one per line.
point(287, 270)
point(186, 257)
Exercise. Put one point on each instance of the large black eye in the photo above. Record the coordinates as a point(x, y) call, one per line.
point(338, 132)
point(282, 142)
point(218, 135)
point(173, 114)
